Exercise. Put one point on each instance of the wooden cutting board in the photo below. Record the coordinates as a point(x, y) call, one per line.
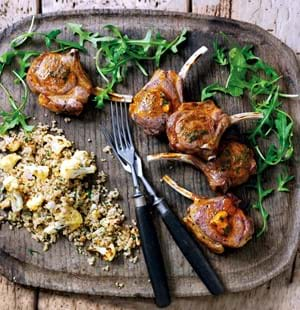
point(62, 268)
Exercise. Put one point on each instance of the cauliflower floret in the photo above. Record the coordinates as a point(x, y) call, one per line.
point(78, 166)
point(108, 253)
point(10, 183)
point(34, 202)
point(4, 204)
point(8, 162)
point(16, 201)
point(41, 172)
point(14, 197)
point(69, 217)
point(53, 228)
point(14, 145)
point(57, 143)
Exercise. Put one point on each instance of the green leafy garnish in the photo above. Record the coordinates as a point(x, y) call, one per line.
point(23, 58)
point(84, 36)
point(261, 195)
point(250, 74)
point(282, 180)
point(117, 51)
point(50, 38)
point(19, 56)
point(21, 39)
point(15, 117)
point(219, 54)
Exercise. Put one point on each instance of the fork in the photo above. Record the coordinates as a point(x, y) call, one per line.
point(123, 146)
point(188, 246)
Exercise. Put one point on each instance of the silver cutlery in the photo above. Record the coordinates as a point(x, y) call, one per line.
point(187, 244)
point(124, 148)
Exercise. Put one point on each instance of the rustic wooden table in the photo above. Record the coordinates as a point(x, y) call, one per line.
point(279, 17)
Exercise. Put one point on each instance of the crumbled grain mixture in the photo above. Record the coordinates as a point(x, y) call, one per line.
point(43, 187)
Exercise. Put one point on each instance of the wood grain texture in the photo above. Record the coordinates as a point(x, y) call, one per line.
point(221, 8)
point(280, 294)
point(64, 5)
point(11, 11)
point(16, 297)
point(279, 17)
point(254, 264)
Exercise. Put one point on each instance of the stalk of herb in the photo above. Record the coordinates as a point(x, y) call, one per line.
point(50, 38)
point(249, 74)
point(15, 117)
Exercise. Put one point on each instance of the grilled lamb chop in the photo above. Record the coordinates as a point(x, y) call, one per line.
point(160, 97)
point(59, 79)
point(197, 127)
point(216, 222)
point(233, 166)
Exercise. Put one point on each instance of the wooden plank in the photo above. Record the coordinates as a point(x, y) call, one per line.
point(64, 5)
point(281, 294)
point(221, 8)
point(16, 297)
point(279, 17)
point(11, 11)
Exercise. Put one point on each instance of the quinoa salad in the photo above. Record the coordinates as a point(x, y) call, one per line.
point(45, 188)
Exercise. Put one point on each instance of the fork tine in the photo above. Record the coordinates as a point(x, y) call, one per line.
point(109, 139)
point(113, 122)
point(127, 126)
point(123, 120)
point(119, 123)
point(115, 126)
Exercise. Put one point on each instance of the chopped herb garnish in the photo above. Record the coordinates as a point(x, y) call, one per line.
point(196, 134)
point(31, 251)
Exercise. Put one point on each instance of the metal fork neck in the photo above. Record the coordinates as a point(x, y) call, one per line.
point(134, 178)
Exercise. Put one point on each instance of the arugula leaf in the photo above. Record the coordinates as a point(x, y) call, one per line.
point(211, 90)
point(282, 180)
point(51, 36)
point(84, 36)
point(22, 57)
point(250, 74)
point(117, 52)
point(262, 194)
point(219, 54)
point(15, 117)
point(24, 63)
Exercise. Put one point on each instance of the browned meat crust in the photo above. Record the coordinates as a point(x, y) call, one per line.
point(59, 79)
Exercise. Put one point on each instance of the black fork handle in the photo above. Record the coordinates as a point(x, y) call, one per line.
point(152, 252)
point(190, 248)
